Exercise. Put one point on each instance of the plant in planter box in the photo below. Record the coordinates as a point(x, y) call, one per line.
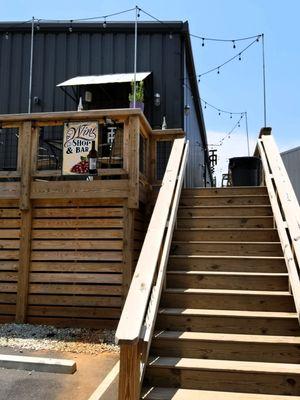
point(139, 95)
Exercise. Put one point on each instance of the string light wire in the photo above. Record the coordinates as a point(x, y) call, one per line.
point(238, 55)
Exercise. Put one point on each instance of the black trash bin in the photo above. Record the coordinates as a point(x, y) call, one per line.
point(245, 171)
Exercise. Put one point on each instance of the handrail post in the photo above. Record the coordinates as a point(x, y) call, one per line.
point(133, 160)
point(129, 378)
point(25, 156)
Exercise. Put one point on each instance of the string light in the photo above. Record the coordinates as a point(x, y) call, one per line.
point(202, 42)
point(218, 109)
point(38, 25)
point(6, 36)
point(233, 44)
point(70, 27)
point(104, 22)
point(236, 125)
point(217, 68)
point(256, 37)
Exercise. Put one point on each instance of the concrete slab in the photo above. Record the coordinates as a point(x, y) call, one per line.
point(41, 364)
point(32, 385)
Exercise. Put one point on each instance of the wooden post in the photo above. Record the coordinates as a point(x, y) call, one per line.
point(25, 155)
point(129, 378)
point(128, 249)
point(133, 161)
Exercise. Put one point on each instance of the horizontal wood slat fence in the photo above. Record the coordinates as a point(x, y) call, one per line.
point(68, 248)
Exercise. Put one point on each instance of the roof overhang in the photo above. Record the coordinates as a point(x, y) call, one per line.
point(104, 79)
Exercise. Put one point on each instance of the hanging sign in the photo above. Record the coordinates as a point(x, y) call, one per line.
point(77, 143)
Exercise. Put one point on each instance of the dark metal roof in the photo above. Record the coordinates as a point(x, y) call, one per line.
point(115, 26)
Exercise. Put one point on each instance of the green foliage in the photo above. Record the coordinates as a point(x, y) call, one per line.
point(139, 91)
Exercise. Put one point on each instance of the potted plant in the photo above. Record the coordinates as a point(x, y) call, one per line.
point(139, 95)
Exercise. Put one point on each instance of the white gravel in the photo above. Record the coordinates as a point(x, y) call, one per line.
point(45, 337)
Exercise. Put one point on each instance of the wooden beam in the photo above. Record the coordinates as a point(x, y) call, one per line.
point(80, 189)
point(9, 190)
point(129, 376)
point(119, 114)
point(128, 249)
point(25, 139)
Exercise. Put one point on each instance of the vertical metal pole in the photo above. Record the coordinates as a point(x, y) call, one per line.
point(31, 66)
point(247, 132)
point(264, 79)
point(135, 55)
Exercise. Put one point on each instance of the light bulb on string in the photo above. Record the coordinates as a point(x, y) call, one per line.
point(240, 57)
point(239, 125)
point(202, 42)
point(257, 39)
point(6, 36)
point(38, 25)
point(170, 35)
point(219, 112)
point(233, 44)
point(138, 12)
point(104, 23)
point(230, 115)
point(205, 105)
point(218, 70)
point(70, 27)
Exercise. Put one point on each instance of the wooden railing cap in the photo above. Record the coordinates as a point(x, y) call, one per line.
point(265, 131)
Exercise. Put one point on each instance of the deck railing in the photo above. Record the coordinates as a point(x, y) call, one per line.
point(135, 329)
point(285, 208)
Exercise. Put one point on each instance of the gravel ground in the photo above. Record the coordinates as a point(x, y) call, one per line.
point(45, 337)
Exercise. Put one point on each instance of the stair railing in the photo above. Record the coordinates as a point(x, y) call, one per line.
point(285, 208)
point(136, 326)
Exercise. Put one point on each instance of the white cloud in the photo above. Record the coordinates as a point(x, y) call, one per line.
point(233, 146)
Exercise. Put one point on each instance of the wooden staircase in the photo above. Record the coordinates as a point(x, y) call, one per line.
point(227, 327)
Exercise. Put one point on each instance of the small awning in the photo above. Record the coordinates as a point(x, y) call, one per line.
point(103, 79)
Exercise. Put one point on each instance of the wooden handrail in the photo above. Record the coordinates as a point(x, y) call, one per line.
point(285, 208)
point(138, 317)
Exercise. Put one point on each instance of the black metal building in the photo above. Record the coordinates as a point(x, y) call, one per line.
point(61, 53)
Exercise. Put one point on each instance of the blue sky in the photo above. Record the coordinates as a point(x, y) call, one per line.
point(238, 87)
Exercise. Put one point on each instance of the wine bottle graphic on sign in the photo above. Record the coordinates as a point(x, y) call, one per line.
point(92, 158)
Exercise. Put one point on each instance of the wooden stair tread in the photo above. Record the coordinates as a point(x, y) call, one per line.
point(224, 273)
point(229, 206)
point(164, 393)
point(226, 229)
point(228, 291)
point(222, 242)
point(196, 196)
point(229, 217)
point(226, 313)
point(225, 257)
point(226, 337)
point(224, 365)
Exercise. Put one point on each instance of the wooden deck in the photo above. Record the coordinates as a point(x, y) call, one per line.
point(68, 248)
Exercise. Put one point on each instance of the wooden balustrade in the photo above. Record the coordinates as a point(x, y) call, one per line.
point(285, 207)
point(136, 325)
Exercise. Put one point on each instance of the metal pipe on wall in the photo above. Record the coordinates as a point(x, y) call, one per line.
point(135, 55)
point(31, 67)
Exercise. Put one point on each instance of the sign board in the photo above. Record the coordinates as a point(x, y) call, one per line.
point(77, 143)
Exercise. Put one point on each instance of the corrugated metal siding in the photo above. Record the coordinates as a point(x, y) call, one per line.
point(61, 55)
point(291, 160)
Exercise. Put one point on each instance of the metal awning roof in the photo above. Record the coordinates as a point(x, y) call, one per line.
point(103, 79)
